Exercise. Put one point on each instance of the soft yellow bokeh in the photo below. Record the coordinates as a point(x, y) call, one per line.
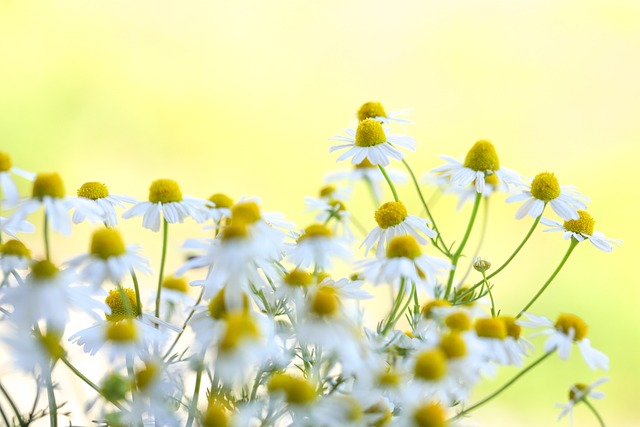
point(240, 97)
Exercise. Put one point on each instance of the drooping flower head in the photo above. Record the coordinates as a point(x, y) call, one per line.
point(582, 228)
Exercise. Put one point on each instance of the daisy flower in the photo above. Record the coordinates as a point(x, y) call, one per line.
point(581, 229)
point(109, 259)
point(95, 198)
point(419, 411)
point(567, 329)
point(14, 255)
point(481, 162)
point(31, 352)
point(543, 189)
point(317, 246)
point(465, 194)
point(372, 142)
point(9, 189)
point(579, 392)
point(393, 220)
point(11, 226)
point(330, 205)
point(375, 110)
point(405, 261)
point(219, 207)
point(166, 202)
point(370, 174)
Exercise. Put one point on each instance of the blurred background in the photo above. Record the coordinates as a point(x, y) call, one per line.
point(240, 97)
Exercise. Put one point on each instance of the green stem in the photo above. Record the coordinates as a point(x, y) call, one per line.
point(444, 249)
point(406, 304)
point(165, 232)
point(504, 387)
point(46, 237)
point(196, 392)
point(594, 411)
point(386, 177)
point(53, 407)
point(184, 325)
point(136, 288)
point(483, 232)
point(13, 406)
point(467, 233)
point(87, 380)
point(572, 246)
point(493, 305)
point(395, 307)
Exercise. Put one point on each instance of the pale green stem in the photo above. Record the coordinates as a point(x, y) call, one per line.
point(165, 232)
point(504, 387)
point(87, 380)
point(46, 237)
point(184, 325)
point(136, 288)
point(13, 406)
point(393, 188)
point(456, 256)
point(493, 305)
point(594, 411)
point(374, 196)
point(4, 417)
point(196, 393)
point(53, 407)
point(444, 249)
point(404, 308)
point(395, 307)
point(483, 232)
point(572, 246)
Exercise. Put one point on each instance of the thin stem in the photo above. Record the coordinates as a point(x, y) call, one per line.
point(493, 305)
point(395, 307)
point(467, 233)
point(46, 237)
point(572, 246)
point(165, 232)
point(504, 387)
point(483, 232)
point(194, 402)
point(428, 211)
point(386, 177)
point(184, 325)
point(53, 407)
point(13, 405)
point(372, 190)
point(406, 304)
point(87, 380)
point(594, 411)
point(136, 288)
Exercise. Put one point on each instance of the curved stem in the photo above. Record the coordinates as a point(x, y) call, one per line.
point(87, 380)
point(444, 249)
point(165, 232)
point(386, 177)
point(13, 406)
point(136, 288)
point(504, 387)
point(395, 307)
point(456, 256)
point(406, 304)
point(594, 411)
point(572, 246)
point(184, 325)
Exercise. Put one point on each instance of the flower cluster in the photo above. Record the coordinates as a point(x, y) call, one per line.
point(274, 335)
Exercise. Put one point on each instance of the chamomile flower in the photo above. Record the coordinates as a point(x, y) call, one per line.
point(468, 193)
point(375, 110)
point(481, 161)
point(544, 189)
point(109, 259)
point(372, 142)
point(567, 329)
point(578, 393)
point(393, 220)
point(101, 205)
point(330, 206)
point(219, 207)
point(33, 352)
point(419, 411)
point(14, 255)
point(581, 229)
point(404, 260)
point(317, 246)
point(9, 189)
point(11, 226)
point(166, 202)
point(369, 173)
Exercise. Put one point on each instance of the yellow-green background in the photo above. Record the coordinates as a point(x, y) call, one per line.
point(241, 96)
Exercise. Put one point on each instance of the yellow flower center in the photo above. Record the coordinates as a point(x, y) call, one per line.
point(365, 164)
point(403, 247)
point(15, 247)
point(93, 190)
point(390, 214)
point(327, 191)
point(48, 184)
point(427, 309)
point(582, 225)
point(221, 200)
point(5, 162)
point(453, 345)
point(430, 415)
point(491, 327)
point(482, 157)
point(164, 191)
point(146, 376)
point(458, 321)
point(122, 331)
point(337, 206)
point(513, 329)
point(370, 110)
point(325, 301)
point(492, 179)
point(178, 284)
point(121, 308)
point(545, 187)
point(297, 390)
point(106, 243)
point(389, 379)
point(216, 415)
point(240, 327)
point(299, 278)
point(315, 230)
point(218, 308)
point(246, 212)
point(235, 230)
point(43, 270)
point(51, 343)
point(566, 322)
point(370, 133)
point(382, 413)
point(431, 365)
point(581, 388)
